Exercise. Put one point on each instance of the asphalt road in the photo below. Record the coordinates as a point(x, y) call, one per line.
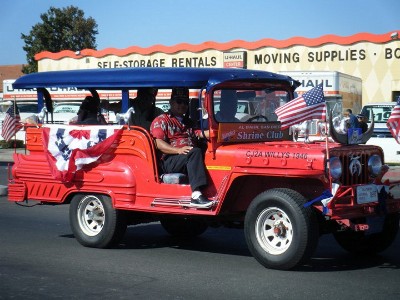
point(40, 259)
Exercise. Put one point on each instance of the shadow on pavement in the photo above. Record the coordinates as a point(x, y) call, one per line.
point(329, 257)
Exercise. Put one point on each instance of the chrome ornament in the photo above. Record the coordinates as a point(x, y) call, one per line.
point(123, 118)
point(343, 138)
point(355, 165)
point(301, 129)
point(35, 119)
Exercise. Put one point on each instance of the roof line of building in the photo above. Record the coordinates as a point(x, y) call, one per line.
point(267, 42)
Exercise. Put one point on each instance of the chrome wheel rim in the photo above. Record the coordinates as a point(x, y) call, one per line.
point(274, 230)
point(91, 215)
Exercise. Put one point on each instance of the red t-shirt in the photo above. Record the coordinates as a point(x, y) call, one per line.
point(170, 129)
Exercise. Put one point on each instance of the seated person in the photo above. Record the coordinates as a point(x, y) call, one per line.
point(176, 139)
point(362, 122)
point(144, 107)
point(89, 112)
point(227, 107)
point(353, 121)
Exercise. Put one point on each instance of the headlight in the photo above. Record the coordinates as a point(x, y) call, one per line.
point(374, 165)
point(335, 167)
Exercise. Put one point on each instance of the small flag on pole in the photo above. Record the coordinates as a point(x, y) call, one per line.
point(311, 105)
point(11, 123)
point(393, 123)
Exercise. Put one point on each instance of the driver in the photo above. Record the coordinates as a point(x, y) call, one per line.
point(227, 107)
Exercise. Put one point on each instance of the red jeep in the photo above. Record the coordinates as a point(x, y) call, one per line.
point(284, 193)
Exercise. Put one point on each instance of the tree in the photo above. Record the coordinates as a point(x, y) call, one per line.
point(60, 29)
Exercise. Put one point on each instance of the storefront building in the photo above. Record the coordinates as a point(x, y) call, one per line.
point(374, 58)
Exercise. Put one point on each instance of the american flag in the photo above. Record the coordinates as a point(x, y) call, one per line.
point(11, 123)
point(311, 105)
point(393, 123)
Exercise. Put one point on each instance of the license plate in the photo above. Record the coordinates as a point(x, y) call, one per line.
point(367, 194)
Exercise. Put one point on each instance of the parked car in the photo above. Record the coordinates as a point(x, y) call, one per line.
point(67, 107)
point(163, 104)
point(64, 112)
point(381, 112)
point(381, 135)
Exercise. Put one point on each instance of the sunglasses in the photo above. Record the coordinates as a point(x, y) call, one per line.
point(182, 101)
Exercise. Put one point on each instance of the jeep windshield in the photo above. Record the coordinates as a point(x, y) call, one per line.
point(238, 106)
point(248, 115)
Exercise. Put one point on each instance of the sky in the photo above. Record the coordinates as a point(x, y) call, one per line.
point(144, 23)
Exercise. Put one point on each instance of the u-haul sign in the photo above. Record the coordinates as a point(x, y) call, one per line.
point(235, 59)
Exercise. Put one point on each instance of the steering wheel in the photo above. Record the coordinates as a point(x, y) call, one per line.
point(257, 118)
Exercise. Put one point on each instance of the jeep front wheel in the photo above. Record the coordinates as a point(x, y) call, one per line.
point(94, 221)
point(280, 232)
point(364, 243)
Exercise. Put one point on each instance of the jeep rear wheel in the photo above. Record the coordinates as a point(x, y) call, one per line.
point(94, 221)
point(279, 231)
point(183, 227)
point(361, 242)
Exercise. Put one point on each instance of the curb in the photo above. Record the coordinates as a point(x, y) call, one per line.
point(3, 190)
point(6, 155)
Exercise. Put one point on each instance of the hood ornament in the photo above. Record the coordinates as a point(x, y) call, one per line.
point(347, 138)
point(355, 165)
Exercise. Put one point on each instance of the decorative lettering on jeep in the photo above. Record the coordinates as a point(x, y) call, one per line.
point(276, 154)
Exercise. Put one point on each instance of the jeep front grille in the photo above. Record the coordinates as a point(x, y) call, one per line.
point(351, 175)
point(355, 162)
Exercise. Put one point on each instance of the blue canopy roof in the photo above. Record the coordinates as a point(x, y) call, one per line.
point(131, 78)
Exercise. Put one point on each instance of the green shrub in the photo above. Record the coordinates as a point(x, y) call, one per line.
point(10, 144)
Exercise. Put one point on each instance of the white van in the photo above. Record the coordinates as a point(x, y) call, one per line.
point(382, 136)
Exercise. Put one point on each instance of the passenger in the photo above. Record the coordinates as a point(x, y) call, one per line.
point(362, 121)
point(144, 107)
point(89, 112)
point(353, 122)
point(176, 139)
point(227, 107)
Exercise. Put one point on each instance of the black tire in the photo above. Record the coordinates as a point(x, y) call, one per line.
point(94, 221)
point(183, 227)
point(280, 232)
point(362, 243)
